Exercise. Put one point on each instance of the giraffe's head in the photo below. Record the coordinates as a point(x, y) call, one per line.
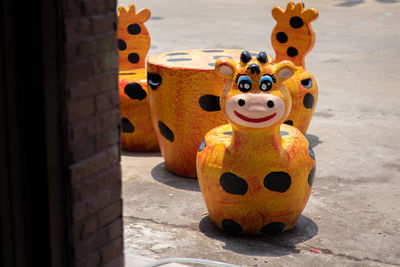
point(254, 95)
point(133, 37)
point(293, 36)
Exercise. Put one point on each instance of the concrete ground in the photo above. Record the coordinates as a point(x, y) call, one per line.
point(353, 215)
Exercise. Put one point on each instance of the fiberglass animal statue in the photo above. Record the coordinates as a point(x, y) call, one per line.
point(292, 38)
point(256, 172)
point(137, 133)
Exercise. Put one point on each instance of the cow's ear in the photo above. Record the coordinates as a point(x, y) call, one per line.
point(225, 67)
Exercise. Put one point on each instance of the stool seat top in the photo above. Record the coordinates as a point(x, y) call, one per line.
point(199, 59)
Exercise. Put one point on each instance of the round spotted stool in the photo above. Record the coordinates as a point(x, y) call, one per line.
point(184, 94)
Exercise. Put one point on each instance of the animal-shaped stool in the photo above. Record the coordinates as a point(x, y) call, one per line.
point(255, 173)
point(133, 43)
point(292, 38)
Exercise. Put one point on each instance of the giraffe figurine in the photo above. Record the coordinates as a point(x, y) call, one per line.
point(137, 133)
point(292, 38)
point(256, 172)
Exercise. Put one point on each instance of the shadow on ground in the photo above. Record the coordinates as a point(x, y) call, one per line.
point(313, 140)
point(274, 246)
point(161, 174)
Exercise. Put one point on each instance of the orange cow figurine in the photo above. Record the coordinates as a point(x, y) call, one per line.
point(133, 44)
point(255, 173)
point(292, 38)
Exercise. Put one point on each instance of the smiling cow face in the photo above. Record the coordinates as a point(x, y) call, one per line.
point(254, 96)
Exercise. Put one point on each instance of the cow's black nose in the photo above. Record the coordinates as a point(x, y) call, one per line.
point(270, 104)
point(241, 102)
point(254, 68)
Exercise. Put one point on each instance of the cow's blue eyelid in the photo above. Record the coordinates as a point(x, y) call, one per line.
point(244, 83)
point(268, 78)
point(244, 78)
point(266, 83)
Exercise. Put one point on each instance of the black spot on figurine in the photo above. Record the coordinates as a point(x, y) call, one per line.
point(135, 91)
point(296, 22)
point(178, 59)
point(121, 44)
point(133, 58)
point(202, 145)
point(281, 37)
point(233, 184)
point(134, 29)
point(311, 152)
point(284, 133)
point(231, 226)
point(245, 57)
point(292, 52)
point(307, 83)
point(127, 126)
point(166, 131)
point(228, 133)
point(177, 54)
point(213, 50)
point(209, 102)
point(273, 228)
point(262, 57)
point(311, 176)
point(289, 122)
point(277, 181)
point(308, 101)
point(154, 80)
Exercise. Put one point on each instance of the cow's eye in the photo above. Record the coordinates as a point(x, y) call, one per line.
point(244, 83)
point(266, 83)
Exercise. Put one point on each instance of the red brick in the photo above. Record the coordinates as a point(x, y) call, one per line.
point(116, 262)
point(98, 239)
point(82, 150)
point(89, 261)
point(94, 125)
point(107, 139)
point(89, 187)
point(110, 213)
point(94, 164)
point(80, 109)
point(104, 22)
point(107, 100)
point(111, 250)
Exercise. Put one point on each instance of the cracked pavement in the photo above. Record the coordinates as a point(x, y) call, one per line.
point(353, 215)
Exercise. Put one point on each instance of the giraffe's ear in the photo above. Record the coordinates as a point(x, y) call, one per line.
point(225, 67)
point(277, 13)
point(310, 15)
point(143, 15)
point(284, 70)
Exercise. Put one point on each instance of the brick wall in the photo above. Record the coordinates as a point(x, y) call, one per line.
point(92, 120)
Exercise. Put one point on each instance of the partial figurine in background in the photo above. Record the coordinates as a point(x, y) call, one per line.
point(137, 133)
point(292, 39)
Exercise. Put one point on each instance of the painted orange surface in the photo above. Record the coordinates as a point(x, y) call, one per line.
point(255, 173)
point(137, 133)
point(184, 101)
point(292, 39)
